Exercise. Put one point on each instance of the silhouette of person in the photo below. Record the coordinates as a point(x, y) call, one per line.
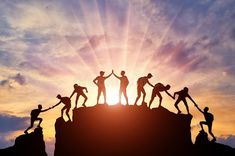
point(100, 82)
point(141, 82)
point(67, 102)
point(209, 120)
point(79, 90)
point(182, 97)
point(34, 117)
point(159, 87)
point(123, 85)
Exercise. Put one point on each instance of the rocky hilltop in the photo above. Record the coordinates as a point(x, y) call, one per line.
point(27, 145)
point(123, 131)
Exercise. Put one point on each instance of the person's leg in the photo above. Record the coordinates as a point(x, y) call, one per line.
point(85, 99)
point(40, 121)
point(120, 95)
point(160, 99)
point(62, 110)
point(203, 123)
point(151, 100)
point(186, 104)
point(67, 113)
point(76, 101)
point(104, 93)
point(31, 125)
point(210, 131)
point(144, 95)
point(176, 105)
point(125, 95)
point(138, 95)
point(98, 96)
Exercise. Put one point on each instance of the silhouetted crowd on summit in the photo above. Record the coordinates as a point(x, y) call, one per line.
point(141, 82)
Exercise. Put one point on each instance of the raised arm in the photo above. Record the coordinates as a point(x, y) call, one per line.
point(199, 108)
point(108, 76)
point(116, 76)
point(46, 109)
point(57, 104)
point(170, 94)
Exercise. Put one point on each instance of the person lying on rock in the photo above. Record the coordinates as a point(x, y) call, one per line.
point(34, 117)
point(67, 102)
point(182, 95)
point(209, 120)
point(79, 90)
point(159, 87)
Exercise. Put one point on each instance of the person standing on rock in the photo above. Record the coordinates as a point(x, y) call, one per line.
point(159, 87)
point(209, 120)
point(34, 117)
point(67, 102)
point(123, 85)
point(141, 82)
point(100, 82)
point(79, 90)
point(182, 95)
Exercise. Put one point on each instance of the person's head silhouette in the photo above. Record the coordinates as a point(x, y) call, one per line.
point(39, 106)
point(75, 85)
point(123, 72)
point(101, 73)
point(206, 109)
point(58, 96)
point(149, 75)
point(168, 87)
point(186, 89)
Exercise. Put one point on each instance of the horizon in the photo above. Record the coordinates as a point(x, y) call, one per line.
point(48, 46)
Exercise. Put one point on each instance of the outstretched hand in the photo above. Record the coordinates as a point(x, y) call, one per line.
point(112, 72)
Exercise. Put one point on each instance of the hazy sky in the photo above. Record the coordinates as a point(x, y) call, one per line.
point(47, 46)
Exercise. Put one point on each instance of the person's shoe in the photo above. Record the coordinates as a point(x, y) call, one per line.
point(213, 140)
point(179, 112)
point(83, 105)
point(26, 132)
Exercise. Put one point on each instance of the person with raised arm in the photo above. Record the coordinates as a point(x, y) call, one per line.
point(209, 120)
point(141, 82)
point(159, 87)
point(34, 117)
point(100, 82)
point(123, 85)
point(79, 91)
point(182, 95)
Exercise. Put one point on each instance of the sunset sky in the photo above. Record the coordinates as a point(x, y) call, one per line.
point(47, 46)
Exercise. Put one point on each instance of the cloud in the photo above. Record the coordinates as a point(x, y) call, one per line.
point(228, 140)
point(12, 123)
point(18, 78)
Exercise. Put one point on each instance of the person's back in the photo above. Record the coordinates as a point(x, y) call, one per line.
point(66, 100)
point(79, 89)
point(35, 112)
point(158, 87)
point(209, 117)
point(142, 81)
point(183, 94)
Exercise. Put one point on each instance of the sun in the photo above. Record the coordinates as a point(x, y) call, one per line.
point(112, 98)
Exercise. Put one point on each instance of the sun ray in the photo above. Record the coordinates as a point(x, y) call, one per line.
point(79, 57)
point(162, 38)
point(104, 32)
point(126, 36)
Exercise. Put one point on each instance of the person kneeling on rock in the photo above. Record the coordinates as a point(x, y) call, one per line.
point(34, 117)
point(209, 120)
